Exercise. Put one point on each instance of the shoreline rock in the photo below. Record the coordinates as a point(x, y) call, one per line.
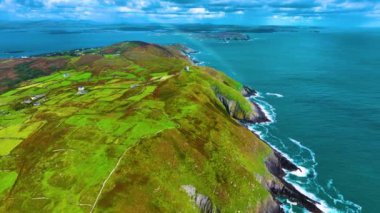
point(271, 206)
point(248, 92)
point(257, 115)
point(276, 164)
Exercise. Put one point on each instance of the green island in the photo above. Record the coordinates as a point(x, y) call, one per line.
point(132, 127)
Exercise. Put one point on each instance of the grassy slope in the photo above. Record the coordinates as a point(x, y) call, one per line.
point(144, 128)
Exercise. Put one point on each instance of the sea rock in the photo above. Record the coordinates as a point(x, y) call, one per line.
point(259, 115)
point(276, 165)
point(248, 92)
point(277, 162)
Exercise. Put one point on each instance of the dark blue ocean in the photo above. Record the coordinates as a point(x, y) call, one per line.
point(322, 91)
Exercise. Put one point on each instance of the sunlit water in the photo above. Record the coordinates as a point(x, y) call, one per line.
point(321, 91)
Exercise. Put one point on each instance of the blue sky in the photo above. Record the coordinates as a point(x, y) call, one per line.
point(342, 13)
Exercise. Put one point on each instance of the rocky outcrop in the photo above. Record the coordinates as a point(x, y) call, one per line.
point(260, 116)
point(271, 206)
point(184, 49)
point(248, 92)
point(276, 164)
point(204, 203)
point(255, 115)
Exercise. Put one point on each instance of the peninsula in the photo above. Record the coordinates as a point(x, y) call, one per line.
point(133, 127)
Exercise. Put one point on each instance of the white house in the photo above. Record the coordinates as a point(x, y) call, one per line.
point(81, 90)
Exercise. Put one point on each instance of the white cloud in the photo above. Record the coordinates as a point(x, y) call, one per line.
point(198, 10)
point(296, 19)
point(8, 5)
point(69, 3)
point(203, 13)
point(173, 10)
point(128, 10)
point(375, 12)
point(140, 4)
point(169, 9)
point(354, 5)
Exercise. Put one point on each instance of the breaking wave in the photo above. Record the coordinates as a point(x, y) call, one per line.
point(275, 94)
point(305, 179)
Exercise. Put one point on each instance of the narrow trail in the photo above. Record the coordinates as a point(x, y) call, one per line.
point(115, 167)
point(106, 180)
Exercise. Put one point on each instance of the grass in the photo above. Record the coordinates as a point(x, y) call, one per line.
point(7, 179)
point(146, 91)
point(13, 135)
point(8, 144)
point(164, 126)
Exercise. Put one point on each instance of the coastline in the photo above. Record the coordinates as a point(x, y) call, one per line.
point(277, 164)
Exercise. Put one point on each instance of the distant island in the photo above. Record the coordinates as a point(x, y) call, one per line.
point(134, 127)
point(227, 36)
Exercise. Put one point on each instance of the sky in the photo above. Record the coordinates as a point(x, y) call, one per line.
point(342, 13)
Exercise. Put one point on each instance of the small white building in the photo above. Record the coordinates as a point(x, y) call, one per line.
point(187, 68)
point(81, 90)
point(36, 97)
point(28, 101)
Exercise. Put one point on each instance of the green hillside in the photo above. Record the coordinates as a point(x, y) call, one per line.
point(125, 128)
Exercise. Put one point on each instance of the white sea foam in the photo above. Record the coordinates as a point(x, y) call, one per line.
point(350, 206)
point(330, 184)
point(267, 109)
point(275, 94)
point(305, 158)
point(312, 154)
point(258, 95)
point(291, 203)
point(322, 205)
point(301, 172)
point(257, 132)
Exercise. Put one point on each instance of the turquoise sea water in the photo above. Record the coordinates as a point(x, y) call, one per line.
point(322, 91)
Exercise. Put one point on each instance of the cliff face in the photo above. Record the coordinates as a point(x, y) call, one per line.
point(254, 115)
point(276, 164)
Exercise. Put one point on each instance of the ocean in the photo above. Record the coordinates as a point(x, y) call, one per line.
point(320, 89)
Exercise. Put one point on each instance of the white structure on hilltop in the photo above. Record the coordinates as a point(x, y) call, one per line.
point(36, 97)
point(27, 101)
point(81, 90)
point(187, 68)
